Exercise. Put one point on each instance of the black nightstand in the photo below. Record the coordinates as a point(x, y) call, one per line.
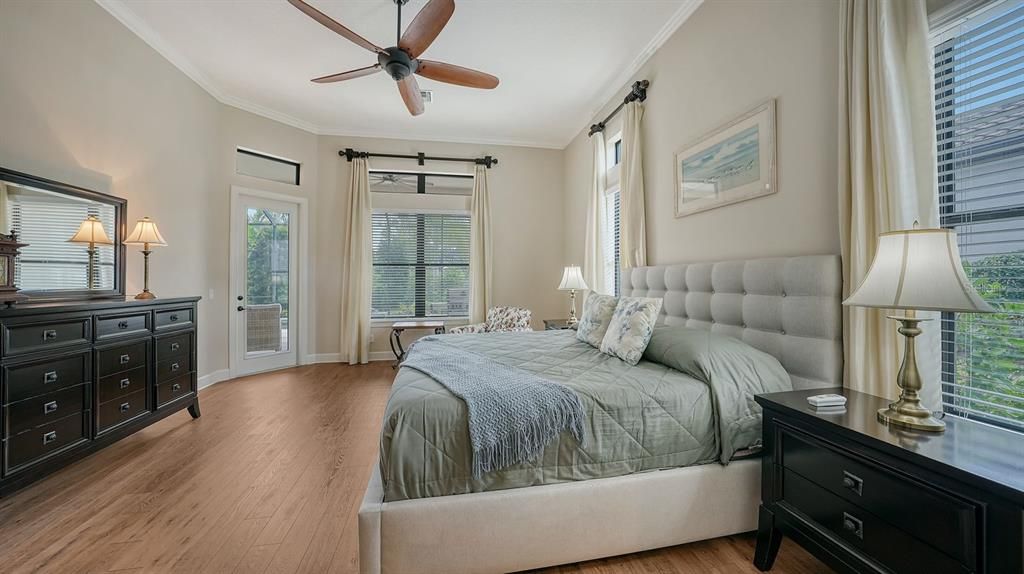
point(864, 497)
point(557, 325)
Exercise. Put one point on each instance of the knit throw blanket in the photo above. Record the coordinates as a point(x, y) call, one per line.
point(513, 414)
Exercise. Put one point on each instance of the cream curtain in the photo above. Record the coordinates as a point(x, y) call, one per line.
point(358, 268)
point(887, 173)
point(593, 246)
point(481, 262)
point(632, 222)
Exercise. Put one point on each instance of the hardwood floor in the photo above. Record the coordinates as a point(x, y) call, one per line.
point(268, 480)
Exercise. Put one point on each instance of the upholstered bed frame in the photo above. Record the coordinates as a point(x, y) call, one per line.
point(788, 307)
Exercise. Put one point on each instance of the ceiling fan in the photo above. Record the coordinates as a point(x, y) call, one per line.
point(402, 61)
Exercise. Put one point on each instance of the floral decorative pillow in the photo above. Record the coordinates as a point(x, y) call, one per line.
point(597, 315)
point(631, 328)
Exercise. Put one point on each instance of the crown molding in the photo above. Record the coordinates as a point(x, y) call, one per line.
point(612, 88)
point(123, 14)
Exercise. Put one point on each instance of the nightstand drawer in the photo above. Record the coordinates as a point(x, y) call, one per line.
point(946, 522)
point(865, 533)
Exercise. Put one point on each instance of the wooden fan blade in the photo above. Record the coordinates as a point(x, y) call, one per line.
point(410, 91)
point(334, 25)
point(452, 74)
point(426, 26)
point(358, 73)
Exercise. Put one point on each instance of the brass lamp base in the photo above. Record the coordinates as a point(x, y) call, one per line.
point(145, 295)
point(907, 411)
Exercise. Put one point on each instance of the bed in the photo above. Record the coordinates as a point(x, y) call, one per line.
point(661, 485)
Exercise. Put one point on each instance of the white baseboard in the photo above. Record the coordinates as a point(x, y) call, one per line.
point(336, 357)
point(213, 378)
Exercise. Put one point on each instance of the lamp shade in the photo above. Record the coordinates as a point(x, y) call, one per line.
point(572, 278)
point(145, 233)
point(91, 231)
point(918, 269)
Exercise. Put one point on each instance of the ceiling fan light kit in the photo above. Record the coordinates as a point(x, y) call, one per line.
point(402, 62)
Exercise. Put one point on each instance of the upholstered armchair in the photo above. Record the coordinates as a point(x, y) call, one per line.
point(499, 320)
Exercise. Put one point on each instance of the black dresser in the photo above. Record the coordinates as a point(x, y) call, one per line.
point(864, 497)
point(75, 377)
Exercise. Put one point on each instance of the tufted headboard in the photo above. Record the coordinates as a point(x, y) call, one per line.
point(787, 306)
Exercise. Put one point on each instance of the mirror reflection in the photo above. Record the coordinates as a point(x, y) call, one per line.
point(70, 239)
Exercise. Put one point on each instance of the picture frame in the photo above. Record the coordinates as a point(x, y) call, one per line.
point(733, 163)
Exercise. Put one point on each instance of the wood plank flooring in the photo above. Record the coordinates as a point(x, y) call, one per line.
point(268, 481)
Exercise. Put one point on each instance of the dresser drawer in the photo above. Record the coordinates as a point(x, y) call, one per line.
point(173, 390)
point(43, 376)
point(121, 358)
point(173, 368)
point(947, 522)
point(117, 411)
point(174, 318)
point(20, 338)
point(121, 325)
point(24, 449)
point(865, 533)
point(120, 384)
point(174, 346)
point(30, 413)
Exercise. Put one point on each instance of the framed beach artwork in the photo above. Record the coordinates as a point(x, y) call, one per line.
point(734, 163)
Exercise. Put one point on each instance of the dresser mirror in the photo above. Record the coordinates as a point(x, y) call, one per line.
point(74, 238)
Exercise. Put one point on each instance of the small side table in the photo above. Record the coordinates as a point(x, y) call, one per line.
point(558, 325)
point(399, 327)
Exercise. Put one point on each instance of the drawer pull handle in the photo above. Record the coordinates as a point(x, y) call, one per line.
point(853, 482)
point(125, 407)
point(49, 334)
point(853, 525)
point(125, 358)
point(125, 383)
point(50, 377)
point(175, 346)
point(122, 325)
point(49, 407)
point(173, 317)
point(49, 437)
point(174, 366)
point(176, 387)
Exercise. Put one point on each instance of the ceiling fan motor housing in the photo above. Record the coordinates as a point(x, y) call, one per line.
point(397, 62)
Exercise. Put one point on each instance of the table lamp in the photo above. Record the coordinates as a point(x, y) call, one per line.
point(91, 233)
point(572, 279)
point(147, 235)
point(916, 269)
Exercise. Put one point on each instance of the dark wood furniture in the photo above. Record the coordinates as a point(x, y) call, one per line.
point(864, 497)
point(557, 325)
point(399, 327)
point(75, 377)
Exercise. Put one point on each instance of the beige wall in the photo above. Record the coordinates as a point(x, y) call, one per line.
point(724, 60)
point(82, 100)
point(93, 105)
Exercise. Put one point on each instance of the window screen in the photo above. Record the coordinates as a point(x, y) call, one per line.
point(979, 118)
point(420, 265)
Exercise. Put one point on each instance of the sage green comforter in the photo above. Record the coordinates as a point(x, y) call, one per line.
point(638, 418)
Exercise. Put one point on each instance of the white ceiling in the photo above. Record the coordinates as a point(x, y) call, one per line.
point(558, 61)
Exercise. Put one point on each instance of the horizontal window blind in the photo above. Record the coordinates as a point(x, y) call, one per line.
point(610, 233)
point(420, 265)
point(979, 115)
point(49, 261)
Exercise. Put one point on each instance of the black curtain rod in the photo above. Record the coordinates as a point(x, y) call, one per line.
point(637, 92)
point(486, 161)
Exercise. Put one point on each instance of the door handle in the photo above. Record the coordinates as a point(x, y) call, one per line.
point(240, 308)
point(241, 298)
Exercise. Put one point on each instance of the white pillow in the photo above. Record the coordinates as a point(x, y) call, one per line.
point(597, 314)
point(631, 328)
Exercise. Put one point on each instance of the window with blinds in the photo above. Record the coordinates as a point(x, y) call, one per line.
point(45, 221)
point(611, 240)
point(420, 265)
point(979, 118)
